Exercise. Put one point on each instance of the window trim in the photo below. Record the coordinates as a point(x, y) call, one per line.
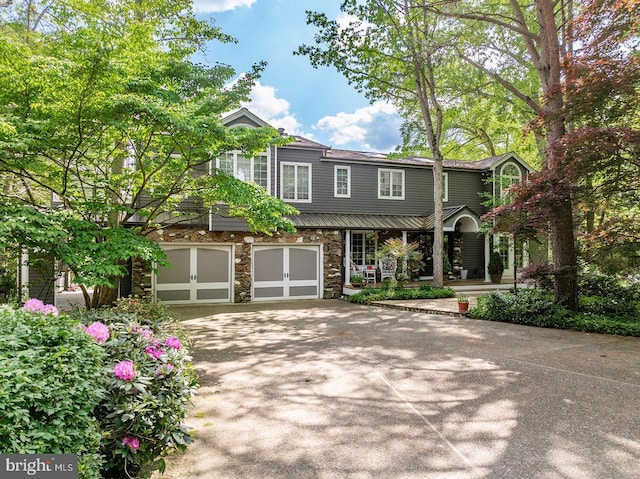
point(335, 181)
point(309, 166)
point(392, 171)
point(510, 177)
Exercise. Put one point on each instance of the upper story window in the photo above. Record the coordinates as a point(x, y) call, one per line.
point(390, 184)
point(255, 169)
point(342, 181)
point(295, 182)
point(509, 174)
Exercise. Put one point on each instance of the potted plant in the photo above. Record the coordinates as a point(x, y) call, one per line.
point(463, 303)
point(357, 280)
point(496, 267)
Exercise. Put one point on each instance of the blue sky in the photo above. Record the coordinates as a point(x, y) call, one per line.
point(316, 103)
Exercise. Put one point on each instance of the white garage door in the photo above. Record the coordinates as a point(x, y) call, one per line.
point(286, 272)
point(200, 274)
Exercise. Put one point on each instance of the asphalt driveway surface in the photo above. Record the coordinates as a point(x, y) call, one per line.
point(327, 389)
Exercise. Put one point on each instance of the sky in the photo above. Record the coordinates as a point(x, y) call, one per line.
point(318, 104)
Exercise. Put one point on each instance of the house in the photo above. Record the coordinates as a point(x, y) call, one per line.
point(350, 202)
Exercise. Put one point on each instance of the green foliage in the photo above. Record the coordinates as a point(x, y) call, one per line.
point(51, 379)
point(535, 308)
point(597, 284)
point(102, 106)
point(369, 295)
point(149, 408)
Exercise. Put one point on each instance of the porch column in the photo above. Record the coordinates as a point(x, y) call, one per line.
point(404, 261)
point(487, 255)
point(347, 257)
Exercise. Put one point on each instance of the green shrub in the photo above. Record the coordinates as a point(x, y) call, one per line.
point(369, 295)
point(621, 309)
point(51, 379)
point(596, 284)
point(533, 308)
point(528, 306)
point(150, 385)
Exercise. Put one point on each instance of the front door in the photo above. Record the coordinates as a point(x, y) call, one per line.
point(200, 274)
point(286, 272)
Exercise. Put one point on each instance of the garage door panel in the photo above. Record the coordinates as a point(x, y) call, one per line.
point(219, 294)
point(306, 291)
point(283, 272)
point(180, 271)
point(169, 296)
point(303, 264)
point(273, 292)
point(212, 266)
point(200, 274)
point(267, 264)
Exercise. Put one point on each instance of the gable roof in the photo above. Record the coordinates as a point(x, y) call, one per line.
point(234, 117)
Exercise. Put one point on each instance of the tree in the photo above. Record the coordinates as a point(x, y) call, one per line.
point(505, 43)
point(392, 50)
point(102, 109)
point(603, 146)
point(575, 87)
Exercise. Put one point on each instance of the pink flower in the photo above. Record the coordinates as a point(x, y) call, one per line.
point(36, 306)
point(98, 331)
point(124, 370)
point(131, 441)
point(164, 369)
point(50, 309)
point(173, 342)
point(155, 353)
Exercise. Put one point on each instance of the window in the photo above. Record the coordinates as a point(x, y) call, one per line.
point(445, 186)
point(390, 184)
point(342, 181)
point(296, 182)
point(246, 169)
point(509, 174)
point(363, 249)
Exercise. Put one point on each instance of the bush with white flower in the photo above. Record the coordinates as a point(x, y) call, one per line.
point(150, 385)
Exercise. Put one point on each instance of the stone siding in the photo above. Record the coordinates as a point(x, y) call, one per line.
point(331, 241)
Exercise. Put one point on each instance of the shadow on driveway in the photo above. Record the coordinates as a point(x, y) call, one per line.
point(328, 389)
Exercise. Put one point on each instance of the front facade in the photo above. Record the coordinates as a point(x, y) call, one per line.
point(350, 202)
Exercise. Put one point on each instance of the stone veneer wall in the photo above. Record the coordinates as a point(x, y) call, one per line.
point(331, 241)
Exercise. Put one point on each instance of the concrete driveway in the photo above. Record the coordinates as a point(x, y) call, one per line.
point(327, 389)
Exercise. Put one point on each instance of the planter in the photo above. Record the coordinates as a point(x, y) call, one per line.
point(463, 273)
point(496, 278)
point(463, 307)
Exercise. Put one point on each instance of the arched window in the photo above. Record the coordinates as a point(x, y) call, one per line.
point(509, 174)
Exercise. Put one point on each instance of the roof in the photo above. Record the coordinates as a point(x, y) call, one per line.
point(357, 221)
point(416, 161)
point(342, 221)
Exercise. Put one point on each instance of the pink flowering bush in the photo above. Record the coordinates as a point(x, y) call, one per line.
point(98, 331)
point(124, 370)
point(52, 381)
point(149, 388)
point(36, 306)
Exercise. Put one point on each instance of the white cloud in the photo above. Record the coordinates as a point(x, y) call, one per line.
point(207, 6)
point(275, 111)
point(375, 127)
